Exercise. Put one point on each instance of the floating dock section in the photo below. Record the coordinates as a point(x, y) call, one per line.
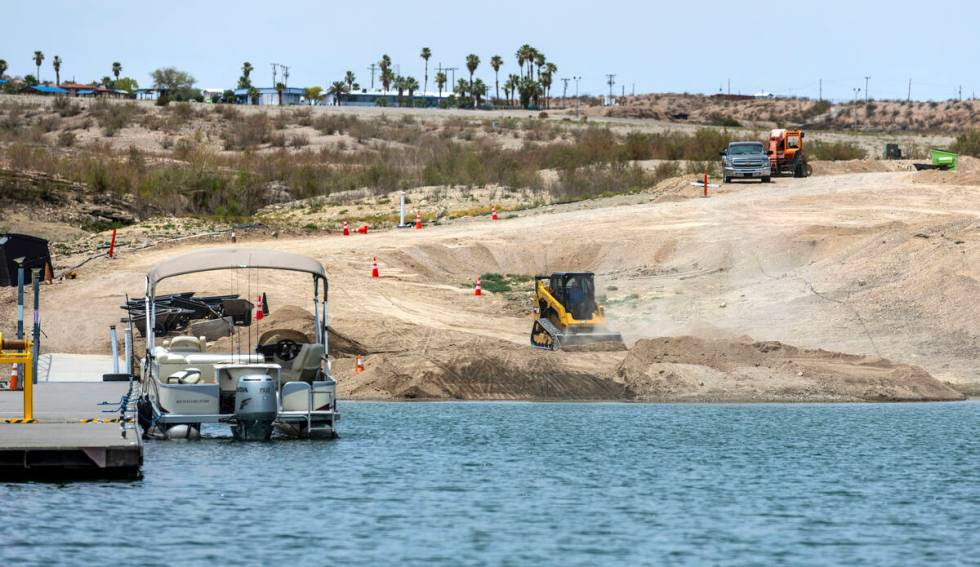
point(75, 433)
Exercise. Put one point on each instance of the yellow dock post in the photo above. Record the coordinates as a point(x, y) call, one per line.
point(21, 355)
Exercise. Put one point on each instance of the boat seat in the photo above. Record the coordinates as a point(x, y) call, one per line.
point(185, 343)
point(186, 376)
point(305, 365)
point(172, 362)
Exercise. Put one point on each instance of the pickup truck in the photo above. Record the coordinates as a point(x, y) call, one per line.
point(745, 160)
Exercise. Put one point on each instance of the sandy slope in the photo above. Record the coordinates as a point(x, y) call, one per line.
point(872, 264)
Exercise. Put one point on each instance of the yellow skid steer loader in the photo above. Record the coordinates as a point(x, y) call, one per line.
point(566, 314)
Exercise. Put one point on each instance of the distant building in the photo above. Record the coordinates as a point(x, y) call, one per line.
point(149, 94)
point(366, 97)
point(270, 97)
point(78, 89)
point(210, 94)
point(46, 90)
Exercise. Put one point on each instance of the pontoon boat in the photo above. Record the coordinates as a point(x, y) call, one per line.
point(285, 383)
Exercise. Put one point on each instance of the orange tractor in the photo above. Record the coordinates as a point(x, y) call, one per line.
point(786, 153)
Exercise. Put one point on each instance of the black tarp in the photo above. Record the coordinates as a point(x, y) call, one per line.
point(34, 251)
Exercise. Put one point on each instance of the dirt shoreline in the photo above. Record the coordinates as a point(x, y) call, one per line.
point(882, 265)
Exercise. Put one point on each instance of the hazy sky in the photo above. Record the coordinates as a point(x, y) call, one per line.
point(693, 46)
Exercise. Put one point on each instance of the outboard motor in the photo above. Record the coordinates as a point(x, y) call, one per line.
point(255, 408)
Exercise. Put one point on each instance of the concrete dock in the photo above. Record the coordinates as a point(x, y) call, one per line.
point(75, 436)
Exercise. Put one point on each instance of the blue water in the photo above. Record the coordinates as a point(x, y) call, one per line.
point(531, 484)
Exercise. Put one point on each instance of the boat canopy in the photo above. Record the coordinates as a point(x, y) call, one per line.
point(233, 259)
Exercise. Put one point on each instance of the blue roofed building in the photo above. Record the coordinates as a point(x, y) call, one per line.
point(46, 90)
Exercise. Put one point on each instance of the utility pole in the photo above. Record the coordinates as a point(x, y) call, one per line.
point(961, 93)
point(373, 67)
point(576, 79)
point(729, 87)
point(453, 71)
point(610, 80)
point(564, 90)
point(866, 80)
point(275, 67)
point(909, 98)
point(634, 89)
point(285, 76)
point(820, 98)
point(623, 88)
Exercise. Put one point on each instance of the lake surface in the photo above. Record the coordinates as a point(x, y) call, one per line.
point(531, 484)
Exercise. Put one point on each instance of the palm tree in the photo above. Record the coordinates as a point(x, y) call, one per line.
point(539, 60)
point(507, 85)
point(512, 81)
point(253, 95)
point(472, 62)
point(279, 88)
point(441, 83)
point(349, 78)
point(3, 67)
point(462, 91)
point(411, 85)
point(246, 69)
point(38, 59)
point(116, 69)
point(426, 53)
point(529, 91)
point(400, 87)
point(56, 63)
point(546, 86)
point(386, 75)
point(496, 62)
point(337, 89)
point(523, 55)
point(479, 91)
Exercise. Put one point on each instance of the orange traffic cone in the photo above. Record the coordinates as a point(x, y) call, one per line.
point(362, 229)
point(12, 385)
point(346, 229)
point(358, 364)
point(478, 291)
point(493, 213)
point(418, 220)
point(259, 309)
point(374, 268)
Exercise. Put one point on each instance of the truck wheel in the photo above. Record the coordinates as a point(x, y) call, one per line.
point(728, 180)
point(766, 179)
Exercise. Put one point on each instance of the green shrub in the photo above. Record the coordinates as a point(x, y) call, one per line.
point(834, 151)
point(967, 143)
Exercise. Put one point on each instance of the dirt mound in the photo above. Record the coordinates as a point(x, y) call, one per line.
point(967, 173)
point(481, 369)
point(294, 323)
point(694, 369)
point(842, 167)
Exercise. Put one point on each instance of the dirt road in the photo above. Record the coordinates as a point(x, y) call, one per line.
point(869, 264)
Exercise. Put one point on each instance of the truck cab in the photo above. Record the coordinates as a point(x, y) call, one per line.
point(745, 160)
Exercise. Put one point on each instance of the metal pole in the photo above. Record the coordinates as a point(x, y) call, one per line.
point(402, 221)
point(36, 350)
point(128, 348)
point(20, 310)
point(115, 349)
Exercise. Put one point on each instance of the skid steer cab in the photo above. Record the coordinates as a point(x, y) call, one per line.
point(566, 314)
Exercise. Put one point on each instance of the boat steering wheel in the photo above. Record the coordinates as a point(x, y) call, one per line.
point(287, 350)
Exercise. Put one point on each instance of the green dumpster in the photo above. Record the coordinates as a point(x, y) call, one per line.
point(943, 159)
